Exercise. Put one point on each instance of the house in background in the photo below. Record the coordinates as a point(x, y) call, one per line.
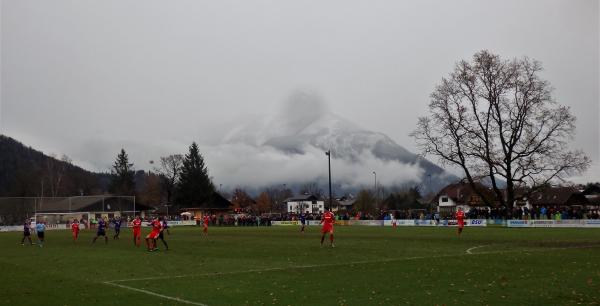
point(216, 205)
point(556, 197)
point(305, 204)
point(592, 195)
point(343, 204)
point(462, 195)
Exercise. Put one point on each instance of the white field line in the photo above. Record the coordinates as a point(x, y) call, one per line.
point(284, 268)
point(468, 252)
point(155, 294)
point(473, 248)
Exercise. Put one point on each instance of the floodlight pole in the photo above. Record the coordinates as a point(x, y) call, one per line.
point(167, 206)
point(328, 153)
point(376, 193)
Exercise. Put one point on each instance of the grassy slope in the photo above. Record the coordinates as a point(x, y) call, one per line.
point(370, 265)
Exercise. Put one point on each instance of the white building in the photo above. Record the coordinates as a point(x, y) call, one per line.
point(461, 195)
point(305, 204)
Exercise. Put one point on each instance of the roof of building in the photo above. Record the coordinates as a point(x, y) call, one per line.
point(553, 196)
point(302, 198)
point(216, 201)
point(592, 189)
point(461, 193)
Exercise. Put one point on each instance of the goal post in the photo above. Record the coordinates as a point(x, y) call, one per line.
point(61, 210)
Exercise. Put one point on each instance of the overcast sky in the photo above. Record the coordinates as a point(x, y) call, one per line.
point(85, 78)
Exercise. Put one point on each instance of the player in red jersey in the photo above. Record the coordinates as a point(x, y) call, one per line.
point(460, 218)
point(327, 220)
point(75, 229)
point(205, 221)
point(137, 231)
point(151, 238)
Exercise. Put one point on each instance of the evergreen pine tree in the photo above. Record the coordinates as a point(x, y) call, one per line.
point(122, 174)
point(195, 188)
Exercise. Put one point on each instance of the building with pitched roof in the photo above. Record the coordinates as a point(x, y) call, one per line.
point(309, 204)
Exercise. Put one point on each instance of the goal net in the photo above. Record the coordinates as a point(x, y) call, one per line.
point(62, 210)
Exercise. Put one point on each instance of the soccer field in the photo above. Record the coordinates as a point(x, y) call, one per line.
point(279, 266)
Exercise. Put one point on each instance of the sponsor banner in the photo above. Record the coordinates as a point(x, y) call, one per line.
point(592, 223)
point(402, 222)
point(51, 227)
point(405, 222)
point(169, 223)
point(15, 228)
point(447, 223)
point(496, 222)
point(541, 223)
point(285, 222)
point(476, 222)
point(468, 222)
point(424, 222)
point(570, 223)
point(553, 223)
point(181, 223)
point(517, 223)
point(366, 222)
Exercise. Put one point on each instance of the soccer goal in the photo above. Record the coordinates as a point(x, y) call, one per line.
point(63, 210)
point(59, 220)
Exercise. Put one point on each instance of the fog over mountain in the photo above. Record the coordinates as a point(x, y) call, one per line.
point(86, 79)
point(289, 148)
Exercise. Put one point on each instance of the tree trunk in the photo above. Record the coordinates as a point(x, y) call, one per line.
point(510, 198)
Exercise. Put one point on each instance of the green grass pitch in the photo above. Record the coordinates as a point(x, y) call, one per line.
point(279, 266)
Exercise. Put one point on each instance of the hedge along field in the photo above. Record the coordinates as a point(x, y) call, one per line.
point(281, 266)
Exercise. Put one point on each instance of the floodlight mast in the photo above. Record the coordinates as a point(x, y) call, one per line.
point(328, 153)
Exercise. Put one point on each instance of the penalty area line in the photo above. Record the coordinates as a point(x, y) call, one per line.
point(155, 294)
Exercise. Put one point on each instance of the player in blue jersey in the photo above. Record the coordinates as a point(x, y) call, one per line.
point(161, 235)
point(117, 221)
point(40, 228)
point(26, 233)
point(302, 222)
point(165, 226)
point(101, 231)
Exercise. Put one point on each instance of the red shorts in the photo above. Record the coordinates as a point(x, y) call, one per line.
point(153, 235)
point(75, 233)
point(461, 224)
point(327, 228)
point(137, 232)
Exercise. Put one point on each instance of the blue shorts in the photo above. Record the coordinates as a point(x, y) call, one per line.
point(101, 233)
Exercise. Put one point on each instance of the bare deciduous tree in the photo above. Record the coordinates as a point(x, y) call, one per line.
point(263, 203)
point(312, 189)
point(55, 171)
point(496, 119)
point(170, 168)
point(241, 199)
